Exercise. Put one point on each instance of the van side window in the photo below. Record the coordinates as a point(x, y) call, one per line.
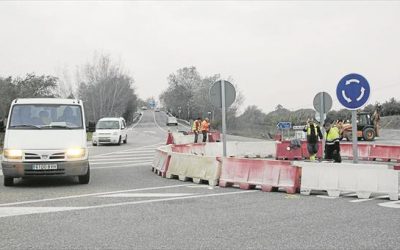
point(123, 125)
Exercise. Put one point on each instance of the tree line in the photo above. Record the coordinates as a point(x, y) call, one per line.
point(103, 86)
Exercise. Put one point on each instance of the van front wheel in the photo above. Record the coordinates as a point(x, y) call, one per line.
point(84, 179)
point(8, 181)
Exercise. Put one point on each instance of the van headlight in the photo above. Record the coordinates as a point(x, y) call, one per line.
point(75, 152)
point(115, 133)
point(13, 154)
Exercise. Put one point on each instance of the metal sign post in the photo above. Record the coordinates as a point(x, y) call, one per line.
point(223, 118)
point(222, 95)
point(322, 103)
point(354, 135)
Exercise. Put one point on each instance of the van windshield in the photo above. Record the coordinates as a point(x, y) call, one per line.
point(107, 125)
point(46, 116)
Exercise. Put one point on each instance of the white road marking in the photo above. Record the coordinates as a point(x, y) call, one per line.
point(144, 195)
point(89, 195)
point(15, 211)
point(370, 199)
point(120, 159)
point(131, 149)
point(140, 119)
point(390, 204)
point(199, 186)
point(149, 163)
point(122, 155)
point(326, 197)
point(115, 162)
point(162, 129)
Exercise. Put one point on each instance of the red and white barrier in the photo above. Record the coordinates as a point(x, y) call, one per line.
point(161, 162)
point(346, 151)
point(283, 151)
point(385, 153)
point(269, 174)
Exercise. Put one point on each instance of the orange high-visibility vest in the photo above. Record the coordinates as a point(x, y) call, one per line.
point(204, 126)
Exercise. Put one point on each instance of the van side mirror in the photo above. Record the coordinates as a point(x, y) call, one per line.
point(2, 127)
point(91, 127)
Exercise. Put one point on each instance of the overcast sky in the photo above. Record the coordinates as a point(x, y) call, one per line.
point(276, 52)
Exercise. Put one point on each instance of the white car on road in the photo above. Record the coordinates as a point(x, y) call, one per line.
point(110, 130)
point(43, 137)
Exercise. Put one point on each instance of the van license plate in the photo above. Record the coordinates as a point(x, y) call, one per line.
point(44, 166)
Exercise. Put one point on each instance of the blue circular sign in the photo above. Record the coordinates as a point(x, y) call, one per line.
point(353, 91)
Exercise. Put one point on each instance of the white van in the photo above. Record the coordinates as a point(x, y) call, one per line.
point(110, 130)
point(43, 137)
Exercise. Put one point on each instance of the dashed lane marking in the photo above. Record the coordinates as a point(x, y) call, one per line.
point(145, 195)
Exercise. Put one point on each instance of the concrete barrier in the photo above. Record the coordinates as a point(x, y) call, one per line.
point(337, 178)
point(269, 174)
point(197, 168)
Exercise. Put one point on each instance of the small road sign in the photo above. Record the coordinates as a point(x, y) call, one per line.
point(353, 91)
point(216, 95)
point(322, 102)
point(284, 125)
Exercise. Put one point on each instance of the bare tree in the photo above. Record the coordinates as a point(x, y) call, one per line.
point(106, 89)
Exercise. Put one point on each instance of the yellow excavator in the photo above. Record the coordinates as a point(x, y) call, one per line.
point(367, 126)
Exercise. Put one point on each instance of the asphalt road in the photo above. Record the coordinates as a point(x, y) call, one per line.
point(126, 206)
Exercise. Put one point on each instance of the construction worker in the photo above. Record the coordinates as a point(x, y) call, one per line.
point(196, 128)
point(205, 125)
point(332, 143)
point(313, 132)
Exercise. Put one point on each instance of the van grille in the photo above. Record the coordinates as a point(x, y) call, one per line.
point(29, 156)
point(57, 156)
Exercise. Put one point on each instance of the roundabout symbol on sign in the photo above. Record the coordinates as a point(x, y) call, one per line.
point(353, 91)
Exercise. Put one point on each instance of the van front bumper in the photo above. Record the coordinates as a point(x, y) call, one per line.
point(25, 169)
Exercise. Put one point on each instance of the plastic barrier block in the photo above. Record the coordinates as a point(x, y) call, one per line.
point(282, 152)
point(336, 178)
point(193, 167)
point(385, 153)
point(161, 162)
point(346, 151)
point(180, 138)
point(170, 138)
point(182, 148)
point(269, 174)
point(214, 136)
